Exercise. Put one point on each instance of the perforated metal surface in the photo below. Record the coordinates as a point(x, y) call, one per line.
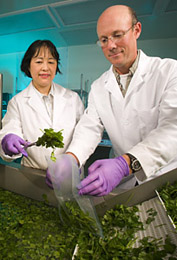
point(161, 226)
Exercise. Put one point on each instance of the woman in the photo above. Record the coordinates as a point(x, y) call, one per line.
point(43, 104)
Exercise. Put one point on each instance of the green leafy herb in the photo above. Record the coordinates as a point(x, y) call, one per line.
point(32, 230)
point(51, 139)
point(168, 194)
point(120, 226)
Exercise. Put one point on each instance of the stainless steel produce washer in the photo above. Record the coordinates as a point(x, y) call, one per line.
point(31, 183)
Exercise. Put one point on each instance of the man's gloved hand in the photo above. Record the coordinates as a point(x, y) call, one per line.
point(48, 180)
point(13, 144)
point(104, 176)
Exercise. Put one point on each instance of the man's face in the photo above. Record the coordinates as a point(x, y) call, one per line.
point(121, 37)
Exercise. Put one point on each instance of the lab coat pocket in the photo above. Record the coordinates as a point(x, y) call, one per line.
point(148, 120)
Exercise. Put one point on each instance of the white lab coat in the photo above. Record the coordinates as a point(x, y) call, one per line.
point(26, 115)
point(144, 123)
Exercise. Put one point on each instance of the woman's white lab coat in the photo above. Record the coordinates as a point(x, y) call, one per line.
point(144, 123)
point(26, 115)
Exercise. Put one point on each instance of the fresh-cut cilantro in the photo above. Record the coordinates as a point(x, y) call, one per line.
point(120, 226)
point(168, 193)
point(52, 139)
point(32, 230)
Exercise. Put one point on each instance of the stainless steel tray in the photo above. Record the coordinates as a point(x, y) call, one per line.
point(164, 207)
point(31, 183)
point(161, 226)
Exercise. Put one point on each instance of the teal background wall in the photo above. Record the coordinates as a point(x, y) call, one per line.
point(80, 64)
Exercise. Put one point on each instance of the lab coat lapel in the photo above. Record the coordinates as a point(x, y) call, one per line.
point(135, 83)
point(139, 76)
point(112, 86)
point(58, 107)
point(35, 102)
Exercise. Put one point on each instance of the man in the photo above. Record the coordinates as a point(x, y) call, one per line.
point(136, 102)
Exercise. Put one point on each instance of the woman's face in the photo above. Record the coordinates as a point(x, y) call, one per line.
point(43, 69)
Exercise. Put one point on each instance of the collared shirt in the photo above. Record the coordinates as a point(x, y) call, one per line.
point(124, 79)
point(47, 100)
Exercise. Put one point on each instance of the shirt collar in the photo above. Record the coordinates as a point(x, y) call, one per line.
point(51, 92)
point(135, 63)
point(133, 68)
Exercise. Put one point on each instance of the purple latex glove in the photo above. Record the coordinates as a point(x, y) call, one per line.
point(13, 144)
point(104, 176)
point(48, 180)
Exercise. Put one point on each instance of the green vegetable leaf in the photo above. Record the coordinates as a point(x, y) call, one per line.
point(52, 139)
point(168, 193)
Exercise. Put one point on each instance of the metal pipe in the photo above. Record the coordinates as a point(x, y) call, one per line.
point(81, 86)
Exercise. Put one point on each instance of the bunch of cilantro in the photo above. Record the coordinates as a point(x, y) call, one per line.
point(52, 139)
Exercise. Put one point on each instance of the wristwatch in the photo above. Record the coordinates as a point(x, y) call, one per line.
point(134, 163)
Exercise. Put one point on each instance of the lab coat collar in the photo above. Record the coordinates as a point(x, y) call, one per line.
point(136, 81)
point(143, 63)
point(111, 85)
point(56, 89)
point(58, 101)
point(35, 101)
point(139, 75)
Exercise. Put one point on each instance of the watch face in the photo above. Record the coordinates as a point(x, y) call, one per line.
point(134, 163)
point(136, 166)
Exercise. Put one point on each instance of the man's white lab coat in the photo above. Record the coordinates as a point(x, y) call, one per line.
point(144, 123)
point(26, 115)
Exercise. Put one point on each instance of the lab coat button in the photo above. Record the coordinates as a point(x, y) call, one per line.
point(125, 122)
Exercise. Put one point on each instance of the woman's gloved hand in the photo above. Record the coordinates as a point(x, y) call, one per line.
point(13, 144)
point(104, 176)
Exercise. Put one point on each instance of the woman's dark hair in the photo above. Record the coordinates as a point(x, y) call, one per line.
point(34, 49)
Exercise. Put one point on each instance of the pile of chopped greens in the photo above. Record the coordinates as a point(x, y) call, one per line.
point(168, 193)
point(33, 230)
point(120, 226)
point(52, 139)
